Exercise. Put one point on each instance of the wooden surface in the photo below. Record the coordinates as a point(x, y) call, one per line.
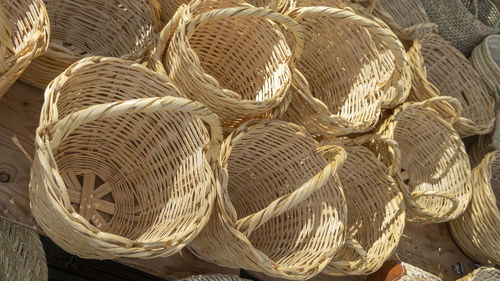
point(429, 247)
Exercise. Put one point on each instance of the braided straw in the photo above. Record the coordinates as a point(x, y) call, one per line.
point(482, 274)
point(168, 8)
point(82, 28)
point(434, 165)
point(351, 65)
point(486, 59)
point(414, 273)
point(213, 277)
point(376, 215)
point(453, 75)
point(24, 34)
point(281, 210)
point(462, 22)
point(477, 230)
point(122, 166)
point(21, 252)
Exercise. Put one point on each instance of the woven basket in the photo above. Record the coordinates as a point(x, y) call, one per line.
point(352, 67)
point(22, 254)
point(486, 60)
point(82, 28)
point(281, 210)
point(482, 274)
point(453, 75)
point(235, 60)
point(122, 166)
point(24, 35)
point(434, 165)
point(214, 277)
point(413, 273)
point(168, 9)
point(376, 215)
point(461, 23)
point(477, 230)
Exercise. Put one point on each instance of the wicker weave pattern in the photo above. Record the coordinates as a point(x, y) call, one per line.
point(81, 28)
point(486, 60)
point(24, 35)
point(281, 210)
point(168, 9)
point(122, 164)
point(213, 277)
point(414, 273)
point(482, 274)
point(477, 231)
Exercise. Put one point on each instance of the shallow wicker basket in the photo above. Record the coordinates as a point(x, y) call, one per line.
point(22, 254)
point(434, 165)
point(122, 166)
point(24, 35)
point(486, 60)
point(375, 209)
point(482, 274)
point(453, 75)
point(213, 277)
point(281, 210)
point(477, 230)
point(413, 273)
point(82, 28)
point(352, 67)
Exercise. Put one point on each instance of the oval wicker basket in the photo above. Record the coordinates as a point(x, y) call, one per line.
point(22, 254)
point(465, 23)
point(235, 60)
point(482, 274)
point(413, 273)
point(486, 59)
point(375, 209)
point(434, 168)
point(281, 210)
point(24, 35)
point(122, 166)
point(477, 230)
point(82, 28)
point(350, 66)
point(453, 75)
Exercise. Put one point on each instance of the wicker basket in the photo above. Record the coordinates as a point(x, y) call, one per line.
point(413, 273)
point(453, 75)
point(482, 274)
point(465, 23)
point(486, 60)
point(81, 28)
point(168, 9)
point(281, 210)
point(434, 165)
point(350, 66)
point(22, 254)
point(122, 166)
point(375, 209)
point(24, 35)
point(213, 277)
point(477, 230)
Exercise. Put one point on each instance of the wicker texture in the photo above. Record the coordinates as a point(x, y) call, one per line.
point(168, 9)
point(486, 60)
point(281, 210)
point(234, 58)
point(122, 166)
point(414, 273)
point(477, 230)
point(352, 67)
point(23, 258)
point(482, 274)
point(24, 35)
point(82, 28)
point(434, 165)
point(453, 75)
point(465, 23)
point(375, 209)
point(214, 277)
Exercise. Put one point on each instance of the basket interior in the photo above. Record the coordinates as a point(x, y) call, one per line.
point(487, 12)
point(495, 179)
point(493, 45)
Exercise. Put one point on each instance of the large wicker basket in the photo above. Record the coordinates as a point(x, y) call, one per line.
point(482, 274)
point(413, 273)
point(81, 28)
point(280, 208)
point(122, 166)
point(434, 165)
point(168, 9)
point(486, 59)
point(24, 35)
point(477, 230)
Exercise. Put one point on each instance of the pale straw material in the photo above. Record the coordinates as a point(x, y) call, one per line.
point(24, 35)
point(477, 230)
point(22, 255)
point(213, 277)
point(168, 9)
point(483, 273)
point(453, 75)
point(123, 162)
point(486, 59)
point(280, 207)
point(82, 28)
point(434, 165)
point(414, 273)
point(351, 68)
point(375, 209)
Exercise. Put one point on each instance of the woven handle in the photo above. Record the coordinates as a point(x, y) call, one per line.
point(454, 107)
point(429, 193)
point(356, 246)
point(286, 202)
point(62, 128)
point(391, 155)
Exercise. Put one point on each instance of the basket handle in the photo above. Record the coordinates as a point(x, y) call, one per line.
point(352, 243)
point(62, 128)
point(286, 202)
point(454, 107)
point(391, 155)
point(430, 193)
point(241, 12)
